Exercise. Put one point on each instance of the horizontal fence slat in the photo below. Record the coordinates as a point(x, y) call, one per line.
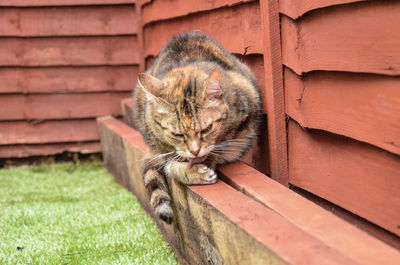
point(297, 8)
point(68, 21)
point(344, 38)
point(363, 107)
point(67, 79)
point(54, 131)
point(26, 150)
point(66, 51)
point(160, 10)
point(31, 3)
point(60, 106)
point(236, 28)
point(353, 175)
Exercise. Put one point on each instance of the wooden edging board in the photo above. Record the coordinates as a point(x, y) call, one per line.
point(218, 224)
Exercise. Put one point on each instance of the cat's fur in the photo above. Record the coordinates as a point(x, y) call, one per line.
point(196, 107)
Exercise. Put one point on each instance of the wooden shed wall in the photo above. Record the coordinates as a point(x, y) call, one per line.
point(62, 64)
point(342, 94)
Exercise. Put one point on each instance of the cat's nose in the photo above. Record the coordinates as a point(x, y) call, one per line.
point(196, 152)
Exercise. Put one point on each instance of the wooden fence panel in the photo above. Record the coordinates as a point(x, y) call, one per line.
point(367, 39)
point(30, 3)
point(68, 21)
point(67, 79)
point(356, 176)
point(115, 50)
point(363, 107)
point(60, 106)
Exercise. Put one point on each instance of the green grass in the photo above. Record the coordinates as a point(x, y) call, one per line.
point(74, 214)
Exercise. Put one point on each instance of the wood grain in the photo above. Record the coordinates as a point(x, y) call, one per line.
point(26, 150)
point(296, 8)
point(158, 10)
point(39, 131)
point(67, 79)
point(344, 38)
point(236, 28)
point(68, 21)
point(353, 175)
point(67, 51)
point(30, 3)
point(60, 106)
point(274, 93)
point(363, 107)
point(335, 232)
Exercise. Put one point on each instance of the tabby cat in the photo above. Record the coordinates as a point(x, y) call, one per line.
point(196, 107)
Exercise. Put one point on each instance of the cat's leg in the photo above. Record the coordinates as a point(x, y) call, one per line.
point(196, 174)
point(157, 188)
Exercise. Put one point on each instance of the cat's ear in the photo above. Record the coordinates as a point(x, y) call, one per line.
point(213, 88)
point(150, 84)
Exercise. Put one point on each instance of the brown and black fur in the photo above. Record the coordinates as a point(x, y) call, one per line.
point(196, 107)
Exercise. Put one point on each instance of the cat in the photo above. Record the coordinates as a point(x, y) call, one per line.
point(196, 107)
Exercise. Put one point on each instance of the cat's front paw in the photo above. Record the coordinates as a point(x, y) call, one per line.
point(201, 174)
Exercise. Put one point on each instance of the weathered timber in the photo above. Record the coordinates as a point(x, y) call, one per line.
point(296, 8)
point(50, 131)
point(66, 51)
point(127, 112)
point(237, 28)
point(67, 79)
point(324, 225)
point(216, 224)
point(274, 93)
point(356, 176)
point(161, 10)
point(344, 38)
point(363, 107)
point(60, 106)
point(67, 21)
point(29, 3)
point(26, 150)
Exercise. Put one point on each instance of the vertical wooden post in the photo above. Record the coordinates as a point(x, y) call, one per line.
point(142, 63)
point(274, 104)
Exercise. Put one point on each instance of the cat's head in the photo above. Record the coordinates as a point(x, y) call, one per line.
point(186, 110)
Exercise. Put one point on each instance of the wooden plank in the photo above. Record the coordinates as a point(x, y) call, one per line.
point(274, 94)
point(39, 131)
point(325, 226)
point(26, 150)
point(216, 224)
point(127, 112)
point(236, 28)
point(60, 106)
point(363, 107)
point(29, 3)
point(296, 8)
point(158, 10)
point(66, 51)
point(67, 79)
point(67, 21)
point(360, 44)
point(353, 175)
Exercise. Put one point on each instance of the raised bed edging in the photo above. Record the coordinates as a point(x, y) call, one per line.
point(217, 224)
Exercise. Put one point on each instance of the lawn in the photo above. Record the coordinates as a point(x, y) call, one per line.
point(70, 213)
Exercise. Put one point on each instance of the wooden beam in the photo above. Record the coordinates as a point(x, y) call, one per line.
point(219, 225)
point(29, 3)
point(274, 94)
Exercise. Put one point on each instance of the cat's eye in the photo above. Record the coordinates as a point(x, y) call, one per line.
point(177, 135)
point(206, 130)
